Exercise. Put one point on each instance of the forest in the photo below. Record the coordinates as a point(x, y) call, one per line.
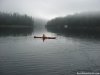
point(76, 23)
point(15, 19)
point(15, 24)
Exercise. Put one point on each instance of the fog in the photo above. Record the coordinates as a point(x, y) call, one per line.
point(49, 9)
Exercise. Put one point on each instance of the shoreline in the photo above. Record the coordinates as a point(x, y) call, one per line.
point(15, 26)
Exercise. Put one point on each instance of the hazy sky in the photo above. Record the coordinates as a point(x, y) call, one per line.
point(49, 8)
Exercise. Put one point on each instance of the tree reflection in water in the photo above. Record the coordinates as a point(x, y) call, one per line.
point(15, 31)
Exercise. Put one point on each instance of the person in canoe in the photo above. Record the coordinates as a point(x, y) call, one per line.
point(45, 37)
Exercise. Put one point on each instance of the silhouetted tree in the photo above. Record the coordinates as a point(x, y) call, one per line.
point(15, 19)
point(83, 22)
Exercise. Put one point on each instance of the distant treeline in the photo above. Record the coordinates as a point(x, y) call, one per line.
point(83, 22)
point(15, 19)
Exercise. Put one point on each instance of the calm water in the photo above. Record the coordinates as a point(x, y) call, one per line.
point(24, 55)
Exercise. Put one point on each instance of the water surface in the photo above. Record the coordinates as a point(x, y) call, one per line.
point(24, 55)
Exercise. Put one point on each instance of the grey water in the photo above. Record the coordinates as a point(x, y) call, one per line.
point(24, 55)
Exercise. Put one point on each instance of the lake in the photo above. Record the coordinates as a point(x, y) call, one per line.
point(24, 55)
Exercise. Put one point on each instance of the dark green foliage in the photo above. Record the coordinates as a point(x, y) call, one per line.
point(84, 22)
point(15, 19)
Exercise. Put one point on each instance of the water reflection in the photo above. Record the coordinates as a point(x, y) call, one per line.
point(79, 35)
point(15, 31)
